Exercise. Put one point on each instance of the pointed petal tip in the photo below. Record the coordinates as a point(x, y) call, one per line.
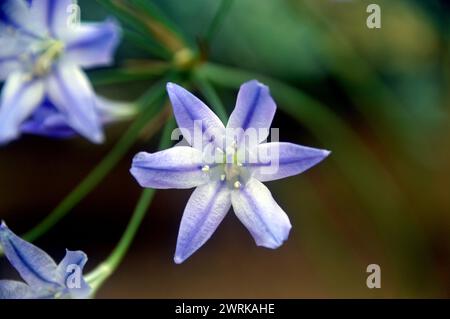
point(254, 82)
point(178, 259)
point(171, 86)
point(4, 229)
point(271, 245)
point(275, 244)
point(97, 138)
point(135, 175)
point(6, 138)
point(112, 22)
point(76, 252)
point(175, 89)
point(135, 172)
point(140, 156)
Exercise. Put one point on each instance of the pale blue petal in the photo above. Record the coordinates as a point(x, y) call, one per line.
point(48, 121)
point(261, 215)
point(93, 44)
point(13, 44)
point(112, 111)
point(280, 160)
point(17, 15)
point(20, 97)
point(11, 47)
point(8, 64)
point(194, 116)
point(52, 15)
point(34, 265)
point(10, 289)
point(205, 210)
point(71, 93)
point(176, 167)
point(254, 109)
point(66, 269)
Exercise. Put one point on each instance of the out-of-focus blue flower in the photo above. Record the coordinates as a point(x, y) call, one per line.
point(42, 57)
point(48, 121)
point(43, 277)
point(227, 165)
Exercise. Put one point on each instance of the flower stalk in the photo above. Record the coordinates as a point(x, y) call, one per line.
point(98, 276)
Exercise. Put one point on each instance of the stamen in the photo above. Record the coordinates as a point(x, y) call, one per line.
point(205, 168)
point(237, 184)
point(46, 59)
point(222, 177)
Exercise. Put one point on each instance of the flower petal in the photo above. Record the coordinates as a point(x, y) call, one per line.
point(258, 211)
point(176, 167)
point(73, 264)
point(204, 211)
point(53, 15)
point(112, 111)
point(194, 117)
point(8, 64)
point(48, 121)
point(71, 92)
point(254, 109)
point(20, 97)
point(280, 160)
point(12, 46)
point(19, 17)
point(10, 289)
point(93, 44)
point(33, 264)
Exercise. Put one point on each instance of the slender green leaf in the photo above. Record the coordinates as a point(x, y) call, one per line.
point(128, 74)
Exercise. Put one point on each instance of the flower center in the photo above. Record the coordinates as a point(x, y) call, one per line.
point(45, 55)
point(228, 168)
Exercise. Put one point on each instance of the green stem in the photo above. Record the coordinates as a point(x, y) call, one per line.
point(98, 276)
point(211, 95)
point(142, 15)
point(148, 71)
point(146, 43)
point(151, 100)
point(217, 20)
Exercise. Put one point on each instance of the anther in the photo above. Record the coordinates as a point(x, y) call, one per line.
point(205, 168)
point(237, 184)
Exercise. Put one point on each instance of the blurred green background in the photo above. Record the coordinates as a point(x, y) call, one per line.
point(378, 98)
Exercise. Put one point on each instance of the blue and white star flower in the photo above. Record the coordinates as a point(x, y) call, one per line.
point(44, 279)
point(227, 165)
point(42, 60)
